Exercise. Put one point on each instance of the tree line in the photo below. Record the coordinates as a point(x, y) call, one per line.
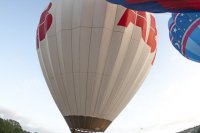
point(11, 126)
point(195, 129)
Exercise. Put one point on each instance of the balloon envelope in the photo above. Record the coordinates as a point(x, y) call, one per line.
point(184, 31)
point(159, 6)
point(94, 56)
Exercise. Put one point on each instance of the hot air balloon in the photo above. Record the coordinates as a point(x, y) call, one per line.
point(159, 6)
point(94, 56)
point(184, 34)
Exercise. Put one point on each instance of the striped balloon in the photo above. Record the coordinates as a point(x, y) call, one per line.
point(94, 56)
point(184, 31)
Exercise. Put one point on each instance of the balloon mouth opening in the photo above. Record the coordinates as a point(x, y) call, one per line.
point(86, 124)
point(85, 131)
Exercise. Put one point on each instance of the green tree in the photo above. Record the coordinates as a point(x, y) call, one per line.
point(198, 131)
point(11, 126)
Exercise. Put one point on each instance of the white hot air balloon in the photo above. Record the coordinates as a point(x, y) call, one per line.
point(94, 56)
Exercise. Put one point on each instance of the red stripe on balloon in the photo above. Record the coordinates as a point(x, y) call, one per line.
point(189, 32)
point(139, 19)
point(44, 25)
point(153, 59)
point(152, 35)
point(127, 18)
point(180, 4)
point(142, 22)
point(171, 4)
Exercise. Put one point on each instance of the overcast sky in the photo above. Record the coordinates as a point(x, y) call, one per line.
point(167, 102)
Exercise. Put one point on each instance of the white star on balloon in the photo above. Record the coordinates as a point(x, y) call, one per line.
point(175, 30)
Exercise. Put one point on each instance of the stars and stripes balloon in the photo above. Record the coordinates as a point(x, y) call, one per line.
point(159, 6)
point(184, 31)
point(94, 56)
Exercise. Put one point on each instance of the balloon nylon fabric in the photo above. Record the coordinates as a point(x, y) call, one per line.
point(184, 31)
point(94, 56)
point(160, 6)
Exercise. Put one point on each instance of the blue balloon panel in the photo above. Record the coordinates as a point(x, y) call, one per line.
point(184, 33)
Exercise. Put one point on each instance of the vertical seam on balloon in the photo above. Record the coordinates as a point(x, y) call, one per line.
point(50, 62)
point(79, 88)
point(71, 110)
point(104, 63)
point(47, 76)
point(138, 84)
point(115, 96)
point(111, 92)
point(116, 101)
point(95, 75)
point(104, 102)
point(50, 88)
point(124, 101)
point(72, 59)
point(88, 62)
point(79, 73)
point(124, 79)
point(112, 89)
point(59, 62)
point(51, 67)
point(61, 58)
